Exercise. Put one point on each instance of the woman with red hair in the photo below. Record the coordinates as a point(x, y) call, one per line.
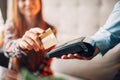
point(22, 42)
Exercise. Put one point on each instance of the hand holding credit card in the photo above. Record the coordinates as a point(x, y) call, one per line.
point(48, 39)
point(75, 46)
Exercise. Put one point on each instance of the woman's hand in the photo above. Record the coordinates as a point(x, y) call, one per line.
point(78, 56)
point(31, 40)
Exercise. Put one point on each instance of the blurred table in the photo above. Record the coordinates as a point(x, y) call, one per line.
point(6, 74)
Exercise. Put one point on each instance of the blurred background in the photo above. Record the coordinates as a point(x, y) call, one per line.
point(76, 18)
point(72, 18)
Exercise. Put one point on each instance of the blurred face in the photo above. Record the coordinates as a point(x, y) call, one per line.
point(29, 7)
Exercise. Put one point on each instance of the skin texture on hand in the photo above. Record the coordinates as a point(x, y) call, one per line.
point(31, 40)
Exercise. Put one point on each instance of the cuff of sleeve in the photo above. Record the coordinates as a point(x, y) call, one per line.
point(18, 51)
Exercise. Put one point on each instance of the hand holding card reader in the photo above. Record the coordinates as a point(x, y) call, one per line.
point(75, 46)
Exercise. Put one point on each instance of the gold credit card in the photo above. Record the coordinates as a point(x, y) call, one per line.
point(48, 38)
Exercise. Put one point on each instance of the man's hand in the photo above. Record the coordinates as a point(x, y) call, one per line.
point(78, 56)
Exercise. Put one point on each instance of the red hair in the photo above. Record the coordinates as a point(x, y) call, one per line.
point(18, 19)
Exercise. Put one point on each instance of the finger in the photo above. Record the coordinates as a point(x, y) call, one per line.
point(78, 56)
point(34, 38)
point(70, 56)
point(96, 51)
point(36, 30)
point(64, 57)
point(38, 42)
point(21, 44)
point(24, 45)
point(31, 43)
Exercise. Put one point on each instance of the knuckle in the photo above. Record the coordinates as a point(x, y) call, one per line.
point(26, 32)
point(32, 43)
point(35, 36)
point(31, 29)
point(26, 45)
